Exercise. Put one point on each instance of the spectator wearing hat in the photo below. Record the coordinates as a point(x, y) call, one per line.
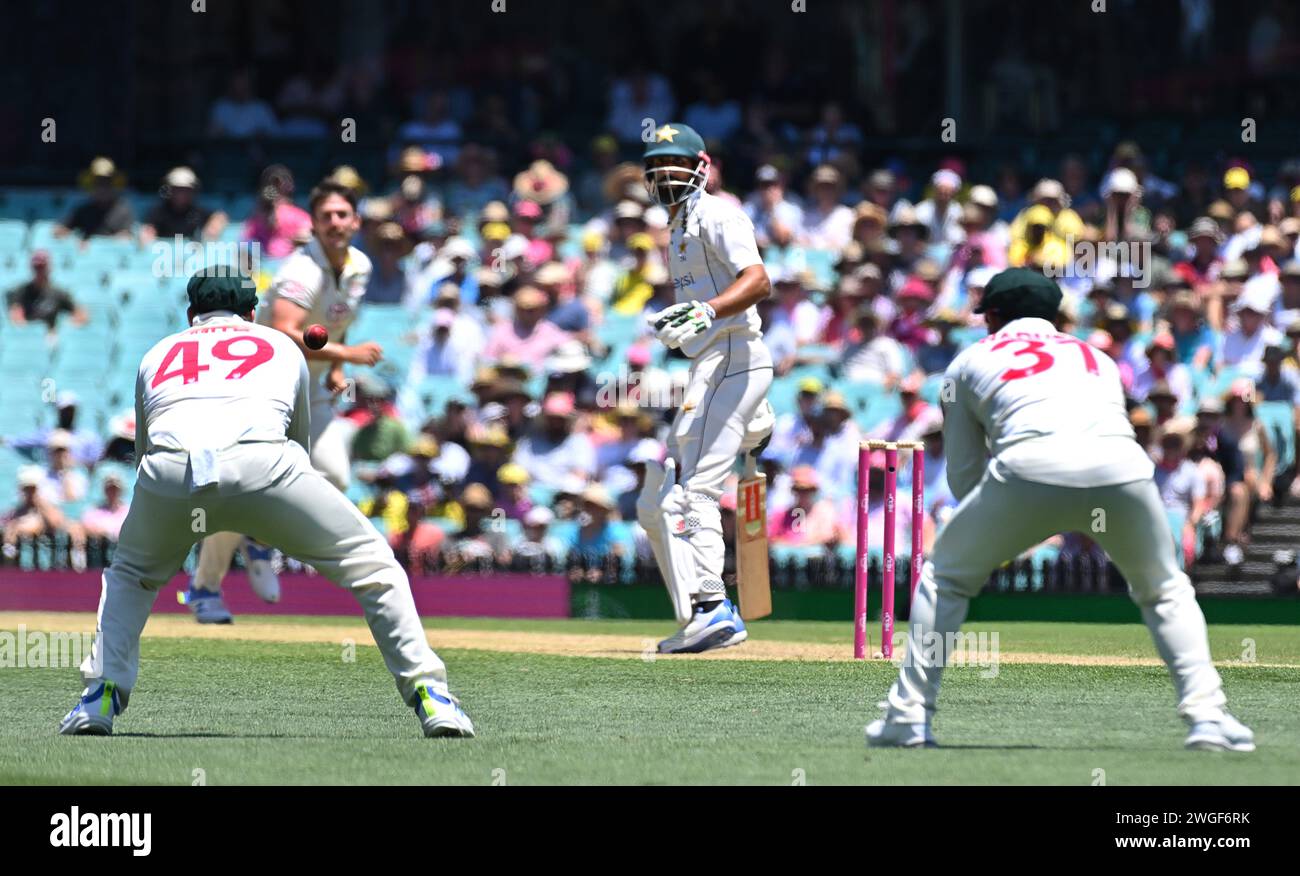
point(910, 235)
point(794, 308)
point(597, 275)
point(1242, 345)
point(511, 495)
point(1259, 466)
point(388, 282)
point(830, 446)
point(1063, 223)
point(529, 336)
point(1205, 262)
point(537, 544)
point(1126, 217)
point(418, 544)
point(489, 451)
point(908, 327)
point(1162, 366)
point(39, 300)
point(106, 212)
point(106, 518)
point(827, 223)
point(778, 221)
point(869, 224)
point(553, 452)
point(596, 539)
point(178, 213)
point(240, 114)
point(566, 309)
point(1181, 484)
point(871, 355)
point(63, 481)
point(34, 514)
point(794, 427)
point(812, 521)
point(633, 288)
point(1279, 382)
point(1240, 195)
point(474, 183)
point(1039, 247)
point(940, 212)
point(380, 432)
point(483, 536)
point(453, 263)
point(939, 349)
point(277, 224)
point(1194, 341)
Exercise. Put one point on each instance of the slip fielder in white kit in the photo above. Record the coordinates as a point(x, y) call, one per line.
point(322, 282)
point(719, 278)
point(1038, 442)
point(222, 439)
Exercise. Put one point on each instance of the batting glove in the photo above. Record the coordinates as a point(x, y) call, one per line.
point(675, 324)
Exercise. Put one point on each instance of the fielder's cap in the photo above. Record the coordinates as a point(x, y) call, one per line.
point(677, 139)
point(221, 287)
point(804, 477)
point(512, 474)
point(59, 439)
point(539, 516)
point(1205, 227)
point(597, 495)
point(476, 496)
point(30, 476)
point(984, 196)
point(181, 178)
point(1236, 178)
point(645, 450)
point(1019, 292)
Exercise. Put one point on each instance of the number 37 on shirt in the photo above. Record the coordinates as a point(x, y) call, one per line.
point(1038, 356)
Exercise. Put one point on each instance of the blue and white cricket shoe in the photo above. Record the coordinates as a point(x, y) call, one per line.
point(440, 714)
point(262, 580)
point(207, 606)
point(720, 627)
point(93, 714)
point(1225, 734)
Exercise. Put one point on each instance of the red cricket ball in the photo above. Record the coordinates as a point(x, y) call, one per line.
point(315, 337)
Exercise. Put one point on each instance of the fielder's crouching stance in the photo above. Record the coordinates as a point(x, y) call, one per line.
point(1037, 443)
point(719, 276)
point(222, 443)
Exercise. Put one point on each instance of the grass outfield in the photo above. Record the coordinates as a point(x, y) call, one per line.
point(247, 711)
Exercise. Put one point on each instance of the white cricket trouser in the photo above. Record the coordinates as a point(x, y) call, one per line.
point(331, 437)
point(1004, 516)
point(725, 386)
point(271, 492)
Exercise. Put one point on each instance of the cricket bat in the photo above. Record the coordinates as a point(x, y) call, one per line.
point(752, 583)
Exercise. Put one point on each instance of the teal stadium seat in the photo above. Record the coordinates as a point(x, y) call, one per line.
point(1278, 418)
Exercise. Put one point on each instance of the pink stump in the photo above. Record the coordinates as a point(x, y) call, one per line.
point(860, 570)
point(891, 510)
point(918, 514)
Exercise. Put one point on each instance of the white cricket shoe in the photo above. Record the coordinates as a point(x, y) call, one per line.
point(720, 627)
point(208, 607)
point(1225, 734)
point(440, 714)
point(261, 570)
point(889, 734)
point(93, 714)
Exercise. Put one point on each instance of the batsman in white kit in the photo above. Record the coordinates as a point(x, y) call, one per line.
point(719, 276)
point(223, 435)
point(322, 282)
point(1038, 442)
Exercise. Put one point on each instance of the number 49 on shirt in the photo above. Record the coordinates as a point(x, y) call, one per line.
point(1043, 360)
point(189, 368)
